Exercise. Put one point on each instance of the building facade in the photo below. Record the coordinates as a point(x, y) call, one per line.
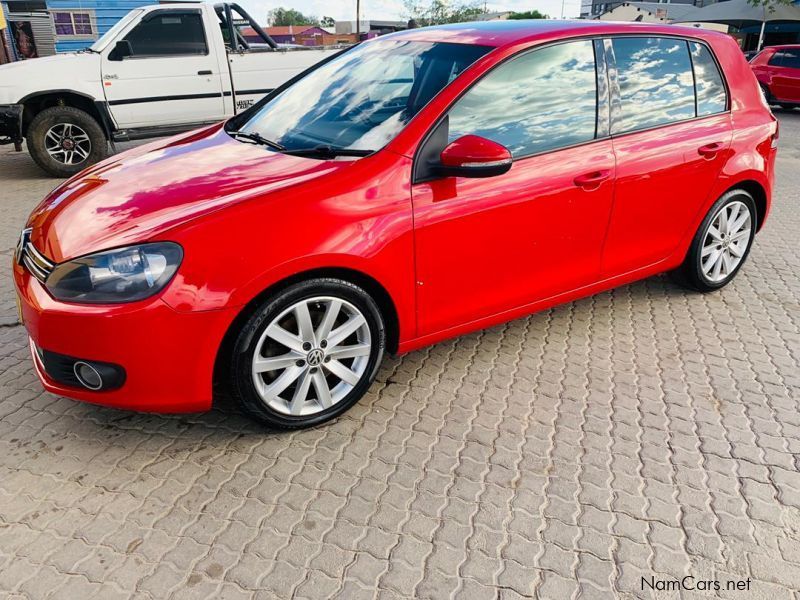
point(44, 27)
point(591, 9)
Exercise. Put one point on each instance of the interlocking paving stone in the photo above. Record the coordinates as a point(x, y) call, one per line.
point(643, 432)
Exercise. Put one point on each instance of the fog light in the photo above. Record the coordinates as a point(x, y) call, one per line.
point(87, 375)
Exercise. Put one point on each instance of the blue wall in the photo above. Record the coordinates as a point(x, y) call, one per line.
point(107, 13)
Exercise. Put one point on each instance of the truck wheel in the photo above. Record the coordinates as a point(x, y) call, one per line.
point(64, 140)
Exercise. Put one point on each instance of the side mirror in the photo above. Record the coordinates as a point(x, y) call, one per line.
point(122, 49)
point(474, 156)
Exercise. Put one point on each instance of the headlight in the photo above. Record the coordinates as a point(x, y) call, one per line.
point(120, 275)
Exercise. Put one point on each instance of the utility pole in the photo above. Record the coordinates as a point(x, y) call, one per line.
point(358, 21)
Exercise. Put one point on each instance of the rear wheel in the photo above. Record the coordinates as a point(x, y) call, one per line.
point(308, 354)
point(721, 244)
point(64, 140)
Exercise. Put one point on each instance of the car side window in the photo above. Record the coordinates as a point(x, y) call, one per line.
point(529, 105)
point(169, 34)
point(791, 59)
point(655, 81)
point(776, 59)
point(711, 95)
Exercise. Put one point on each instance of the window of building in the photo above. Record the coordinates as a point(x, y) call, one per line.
point(169, 34)
point(529, 106)
point(73, 23)
point(655, 80)
point(711, 95)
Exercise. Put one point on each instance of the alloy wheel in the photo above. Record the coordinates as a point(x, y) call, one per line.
point(67, 143)
point(726, 241)
point(311, 356)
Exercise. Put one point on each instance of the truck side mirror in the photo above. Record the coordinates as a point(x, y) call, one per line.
point(122, 49)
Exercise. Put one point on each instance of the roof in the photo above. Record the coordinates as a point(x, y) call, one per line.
point(510, 32)
point(673, 10)
point(735, 12)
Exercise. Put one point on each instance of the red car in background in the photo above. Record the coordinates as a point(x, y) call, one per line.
point(415, 187)
point(777, 69)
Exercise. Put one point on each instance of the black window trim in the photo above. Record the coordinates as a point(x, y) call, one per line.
point(167, 11)
point(688, 40)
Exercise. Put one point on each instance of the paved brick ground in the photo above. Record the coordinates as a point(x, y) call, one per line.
point(642, 432)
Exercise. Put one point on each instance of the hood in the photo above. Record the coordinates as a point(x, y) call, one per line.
point(144, 192)
point(62, 71)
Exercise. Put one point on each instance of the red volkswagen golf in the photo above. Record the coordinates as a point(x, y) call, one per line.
point(778, 71)
point(413, 188)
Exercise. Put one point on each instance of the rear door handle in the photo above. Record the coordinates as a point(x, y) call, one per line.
point(710, 150)
point(205, 73)
point(593, 179)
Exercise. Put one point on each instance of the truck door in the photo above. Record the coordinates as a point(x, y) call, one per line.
point(163, 71)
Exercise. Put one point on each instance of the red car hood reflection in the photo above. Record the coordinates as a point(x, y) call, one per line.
point(146, 191)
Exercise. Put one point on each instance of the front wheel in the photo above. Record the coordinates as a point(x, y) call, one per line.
point(307, 354)
point(721, 244)
point(64, 140)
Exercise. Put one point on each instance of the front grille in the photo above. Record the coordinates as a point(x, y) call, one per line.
point(34, 261)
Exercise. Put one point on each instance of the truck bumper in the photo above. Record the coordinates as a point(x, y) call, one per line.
point(11, 124)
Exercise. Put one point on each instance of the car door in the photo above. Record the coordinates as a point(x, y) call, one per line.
point(670, 143)
point(786, 75)
point(485, 246)
point(171, 76)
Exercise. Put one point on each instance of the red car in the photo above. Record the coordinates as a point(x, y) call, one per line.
point(413, 188)
point(777, 69)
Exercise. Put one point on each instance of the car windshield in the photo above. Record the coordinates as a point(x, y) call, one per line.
point(362, 98)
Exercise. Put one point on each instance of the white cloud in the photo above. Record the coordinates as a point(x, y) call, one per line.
point(345, 10)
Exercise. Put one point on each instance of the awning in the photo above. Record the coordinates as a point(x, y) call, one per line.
point(741, 12)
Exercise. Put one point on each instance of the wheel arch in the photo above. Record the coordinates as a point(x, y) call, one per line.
point(372, 286)
point(759, 194)
point(38, 101)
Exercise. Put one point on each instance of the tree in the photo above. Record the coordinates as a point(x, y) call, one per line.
point(770, 5)
point(530, 14)
point(437, 12)
point(327, 22)
point(289, 16)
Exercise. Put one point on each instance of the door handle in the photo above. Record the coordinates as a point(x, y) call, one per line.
point(205, 72)
point(710, 150)
point(593, 179)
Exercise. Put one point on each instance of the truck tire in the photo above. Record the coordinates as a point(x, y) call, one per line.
point(64, 140)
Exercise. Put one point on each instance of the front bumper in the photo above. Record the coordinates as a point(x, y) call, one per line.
point(10, 123)
point(168, 356)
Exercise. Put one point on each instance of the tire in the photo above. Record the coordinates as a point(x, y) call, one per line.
point(83, 134)
point(697, 272)
point(289, 393)
point(765, 91)
point(788, 106)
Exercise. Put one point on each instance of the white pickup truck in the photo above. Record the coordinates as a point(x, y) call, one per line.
point(160, 70)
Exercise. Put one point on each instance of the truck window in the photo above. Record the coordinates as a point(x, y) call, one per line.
point(169, 34)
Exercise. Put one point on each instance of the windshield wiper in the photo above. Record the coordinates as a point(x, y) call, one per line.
point(258, 139)
point(328, 151)
point(89, 49)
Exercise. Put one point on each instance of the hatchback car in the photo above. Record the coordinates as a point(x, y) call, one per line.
point(777, 69)
point(413, 188)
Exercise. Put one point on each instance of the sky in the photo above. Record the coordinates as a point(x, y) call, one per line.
point(344, 10)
